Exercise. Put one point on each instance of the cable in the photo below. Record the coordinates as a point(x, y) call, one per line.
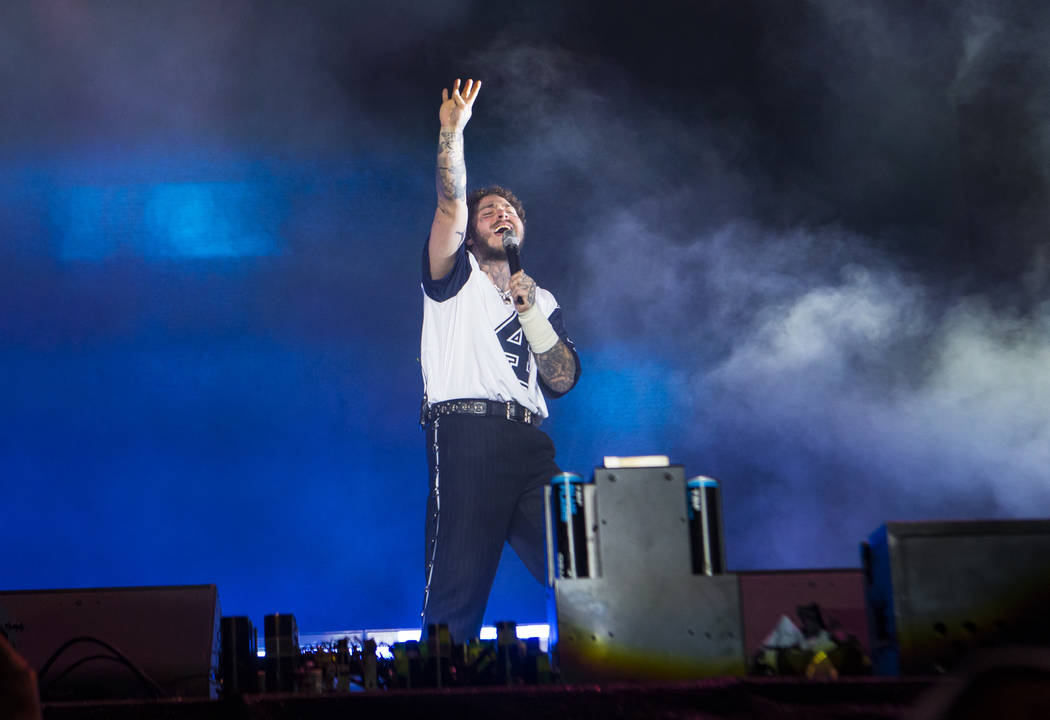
point(120, 658)
point(80, 662)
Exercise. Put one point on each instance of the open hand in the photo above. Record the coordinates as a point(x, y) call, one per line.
point(455, 109)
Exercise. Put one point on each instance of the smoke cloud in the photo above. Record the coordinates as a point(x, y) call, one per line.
point(860, 342)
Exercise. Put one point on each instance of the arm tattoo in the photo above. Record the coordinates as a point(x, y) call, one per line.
point(446, 141)
point(557, 367)
point(451, 170)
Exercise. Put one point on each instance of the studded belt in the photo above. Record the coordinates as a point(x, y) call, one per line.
point(509, 410)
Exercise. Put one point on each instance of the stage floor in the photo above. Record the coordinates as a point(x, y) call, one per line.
point(730, 698)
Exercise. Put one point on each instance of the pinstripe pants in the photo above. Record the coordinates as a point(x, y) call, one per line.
point(487, 476)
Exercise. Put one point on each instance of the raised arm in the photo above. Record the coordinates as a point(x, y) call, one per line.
point(450, 218)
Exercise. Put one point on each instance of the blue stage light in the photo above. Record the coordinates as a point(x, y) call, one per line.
point(167, 220)
point(209, 219)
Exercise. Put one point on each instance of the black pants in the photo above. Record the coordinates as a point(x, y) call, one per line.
point(487, 476)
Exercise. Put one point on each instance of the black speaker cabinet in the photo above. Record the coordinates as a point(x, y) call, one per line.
point(240, 644)
point(643, 614)
point(938, 590)
point(169, 633)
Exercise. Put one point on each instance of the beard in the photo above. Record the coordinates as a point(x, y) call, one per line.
point(484, 252)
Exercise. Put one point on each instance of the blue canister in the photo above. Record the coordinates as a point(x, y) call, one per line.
point(704, 504)
point(570, 526)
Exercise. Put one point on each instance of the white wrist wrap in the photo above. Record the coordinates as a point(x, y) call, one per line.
point(538, 330)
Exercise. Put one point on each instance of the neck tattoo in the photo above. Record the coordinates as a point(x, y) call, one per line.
point(499, 275)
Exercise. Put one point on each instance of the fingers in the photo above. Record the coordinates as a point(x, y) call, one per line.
point(467, 95)
point(472, 93)
point(521, 285)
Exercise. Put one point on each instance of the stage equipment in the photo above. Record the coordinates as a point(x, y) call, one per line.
point(239, 657)
point(706, 539)
point(572, 546)
point(283, 661)
point(645, 615)
point(126, 639)
point(938, 590)
point(505, 660)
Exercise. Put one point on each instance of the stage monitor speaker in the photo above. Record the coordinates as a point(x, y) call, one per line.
point(170, 633)
point(938, 590)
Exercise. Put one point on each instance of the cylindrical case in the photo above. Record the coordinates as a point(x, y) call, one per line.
point(703, 500)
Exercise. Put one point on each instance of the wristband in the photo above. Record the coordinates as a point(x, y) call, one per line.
point(538, 330)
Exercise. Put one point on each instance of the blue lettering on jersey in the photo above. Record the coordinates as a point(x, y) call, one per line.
point(515, 347)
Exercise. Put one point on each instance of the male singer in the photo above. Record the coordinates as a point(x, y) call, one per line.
point(491, 340)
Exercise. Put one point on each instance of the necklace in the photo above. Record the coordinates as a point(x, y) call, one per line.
point(494, 278)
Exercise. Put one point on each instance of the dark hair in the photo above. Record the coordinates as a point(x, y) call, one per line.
point(474, 199)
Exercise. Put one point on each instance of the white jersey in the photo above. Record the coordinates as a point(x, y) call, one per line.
point(472, 343)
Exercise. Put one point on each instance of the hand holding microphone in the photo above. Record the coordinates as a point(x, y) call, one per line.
point(537, 328)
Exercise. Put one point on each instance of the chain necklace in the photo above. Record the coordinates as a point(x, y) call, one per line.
point(504, 294)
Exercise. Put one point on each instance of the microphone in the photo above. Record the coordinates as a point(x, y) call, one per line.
point(510, 245)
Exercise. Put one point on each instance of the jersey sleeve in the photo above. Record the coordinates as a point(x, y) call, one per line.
point(448, 286)
point(558, 323)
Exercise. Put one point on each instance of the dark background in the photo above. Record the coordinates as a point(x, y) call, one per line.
point(802, 247)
